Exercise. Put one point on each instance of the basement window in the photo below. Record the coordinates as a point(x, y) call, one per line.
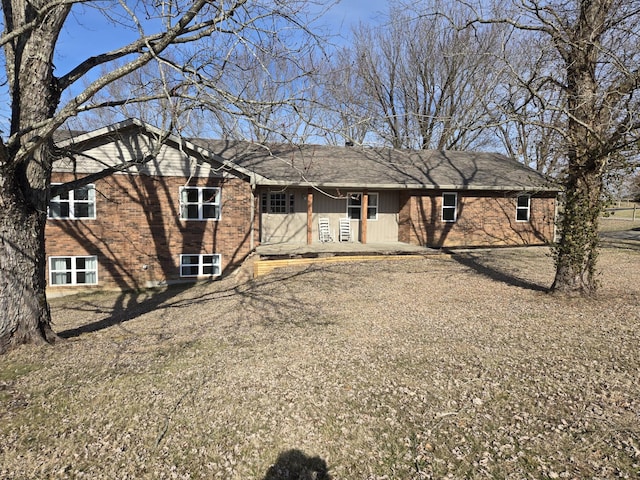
point(74, 204)
point(200, 265)
point(199, 203)
point(73, 270)
point(449, 207)
point(523, 208)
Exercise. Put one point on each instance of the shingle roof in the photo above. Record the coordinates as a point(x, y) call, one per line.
point(352, 167)
point(331, 166)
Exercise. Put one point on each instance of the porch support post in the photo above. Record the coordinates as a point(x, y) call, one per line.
point(309, 216)
point(363, 216)
point(254, 214)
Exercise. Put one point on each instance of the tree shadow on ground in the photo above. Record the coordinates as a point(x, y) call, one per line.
point(130, 305)
point(482, 265)
point(296, 465)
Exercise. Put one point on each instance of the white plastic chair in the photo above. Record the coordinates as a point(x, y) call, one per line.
point(345, 230)
point(324, 230)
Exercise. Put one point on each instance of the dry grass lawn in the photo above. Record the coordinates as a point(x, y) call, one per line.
point(443, 367)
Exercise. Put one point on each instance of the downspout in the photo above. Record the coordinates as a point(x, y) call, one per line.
point(252, 184)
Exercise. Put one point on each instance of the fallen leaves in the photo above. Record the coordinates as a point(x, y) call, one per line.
point(403, 370)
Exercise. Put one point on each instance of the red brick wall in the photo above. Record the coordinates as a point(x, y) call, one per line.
point(484, 219)
point(138, 235)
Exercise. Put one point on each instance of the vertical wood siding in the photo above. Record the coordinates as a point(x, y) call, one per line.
point(385, 228)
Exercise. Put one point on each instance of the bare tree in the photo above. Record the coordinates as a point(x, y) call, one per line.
point(42, 102)
point(585, 88)
point(378, 56)
point(346, 110)
point(528, 131)
point(426, 81)
point(270, 89)
point(156, 82)
point(530, 134)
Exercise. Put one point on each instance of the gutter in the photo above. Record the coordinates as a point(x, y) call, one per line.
point(401, 186)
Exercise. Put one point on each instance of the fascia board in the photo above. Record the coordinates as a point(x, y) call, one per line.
point(110, 129)
point(402, 186)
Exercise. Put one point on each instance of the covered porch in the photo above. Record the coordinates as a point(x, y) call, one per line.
point(295, 215)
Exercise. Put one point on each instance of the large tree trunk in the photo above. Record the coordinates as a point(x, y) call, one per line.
point(24, 312)
point(577, 250)
point(25, 170)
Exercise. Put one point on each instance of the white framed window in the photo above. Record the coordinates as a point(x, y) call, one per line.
point(372, 207)
point(74, 204)
point(523, 208)
point(354, 206)
point(449, 207)
point(73, 270)
point(200, 265)
point(199, 203)
point(278, 202)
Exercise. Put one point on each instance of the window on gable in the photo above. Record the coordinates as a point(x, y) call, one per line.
point(354, 206)
point(200, 265)
point(199, 203)
point(449, 207)
point(523, 208)
point(74, 204)
point(278, 202)
point(73, 270)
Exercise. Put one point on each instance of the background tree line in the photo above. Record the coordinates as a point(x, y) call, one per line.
point(421, 78)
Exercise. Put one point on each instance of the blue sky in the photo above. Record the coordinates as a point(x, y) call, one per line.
point(349, 12)
point(86, 33)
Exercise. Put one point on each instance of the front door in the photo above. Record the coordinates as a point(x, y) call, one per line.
point(280, 222)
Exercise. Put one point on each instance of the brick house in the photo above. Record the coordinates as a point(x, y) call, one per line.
point(176, 211)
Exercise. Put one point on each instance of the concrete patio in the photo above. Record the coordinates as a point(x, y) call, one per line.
point(328, 249)
point(272, 256)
